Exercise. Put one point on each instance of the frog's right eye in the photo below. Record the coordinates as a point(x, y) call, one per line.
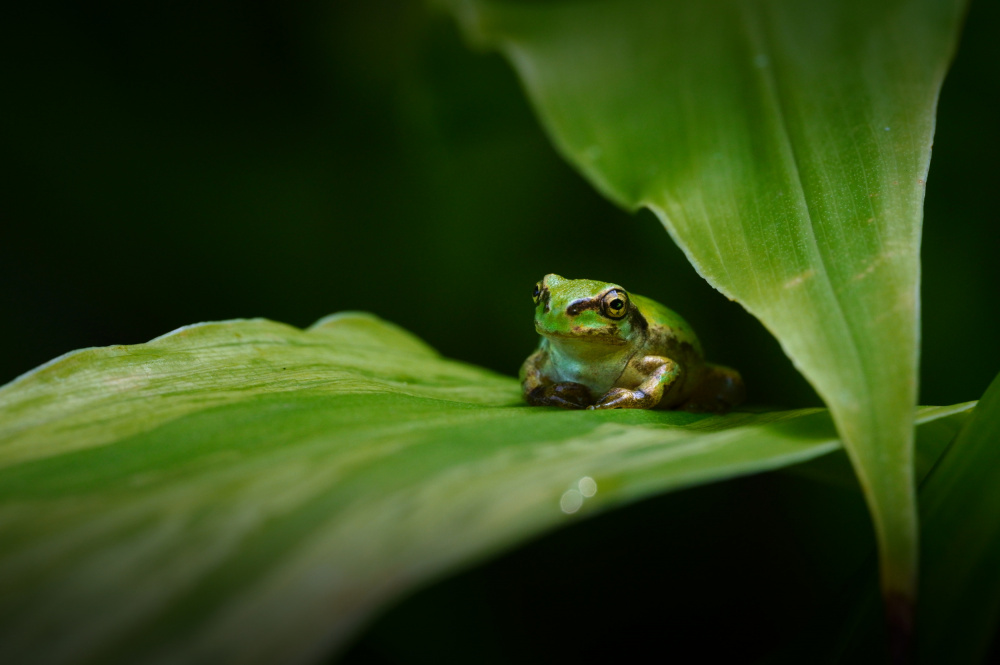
point(537, 295)
point(615, 304)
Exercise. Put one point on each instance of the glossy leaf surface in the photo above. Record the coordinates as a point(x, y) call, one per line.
point(785, 146)
point(249, 492)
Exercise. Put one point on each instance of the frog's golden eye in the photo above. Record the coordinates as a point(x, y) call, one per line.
point(537, 295)
point(615, 304)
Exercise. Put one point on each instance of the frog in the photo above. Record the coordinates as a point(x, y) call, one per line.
point(602, 347)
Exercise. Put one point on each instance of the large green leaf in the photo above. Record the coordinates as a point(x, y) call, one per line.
point(784, 145)
point(248, 491)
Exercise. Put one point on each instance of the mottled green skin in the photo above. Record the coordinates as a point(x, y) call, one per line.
point(641, 355)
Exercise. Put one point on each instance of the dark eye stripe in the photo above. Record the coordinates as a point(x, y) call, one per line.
point(582, 305)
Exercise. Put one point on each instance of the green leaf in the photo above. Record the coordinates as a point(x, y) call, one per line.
point(959, 607)
point(247, 491)
point(784, 145)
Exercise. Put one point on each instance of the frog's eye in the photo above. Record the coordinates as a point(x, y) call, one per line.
point(615, 304)
point(537, 295)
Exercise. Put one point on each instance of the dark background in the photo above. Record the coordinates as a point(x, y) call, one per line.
point(167, 163)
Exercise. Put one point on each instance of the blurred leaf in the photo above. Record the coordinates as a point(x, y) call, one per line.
point(248, 491)
point(851, 628)
point(784, 145)
point(958, 610)
point(959, 607)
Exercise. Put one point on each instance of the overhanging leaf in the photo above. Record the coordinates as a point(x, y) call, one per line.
point(784, 145)
point(247, 491)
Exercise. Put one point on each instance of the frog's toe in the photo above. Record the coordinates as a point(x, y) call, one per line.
point(622, 398)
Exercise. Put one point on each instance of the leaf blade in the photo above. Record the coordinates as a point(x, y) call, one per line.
point(247, 515)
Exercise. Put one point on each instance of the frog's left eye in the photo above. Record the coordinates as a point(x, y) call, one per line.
point(537, 295)
point(615, 304)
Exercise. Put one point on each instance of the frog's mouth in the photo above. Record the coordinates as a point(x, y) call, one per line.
point(586, 335)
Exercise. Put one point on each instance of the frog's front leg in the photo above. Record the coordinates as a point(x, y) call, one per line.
point(541, 391)
point(660, 373)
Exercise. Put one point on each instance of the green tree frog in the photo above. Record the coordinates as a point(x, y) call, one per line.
point(603, 348)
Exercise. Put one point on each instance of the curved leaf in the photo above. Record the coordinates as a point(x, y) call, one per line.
point(247, 491)
point(784, 145)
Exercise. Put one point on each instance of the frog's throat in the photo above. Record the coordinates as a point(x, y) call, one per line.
point(596, 366)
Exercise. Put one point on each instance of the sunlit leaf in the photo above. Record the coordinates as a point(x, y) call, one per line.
point(250, 492)
point(785, 146)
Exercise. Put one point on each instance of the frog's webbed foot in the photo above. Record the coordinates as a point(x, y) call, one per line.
point(566, 395)
point(623, 398)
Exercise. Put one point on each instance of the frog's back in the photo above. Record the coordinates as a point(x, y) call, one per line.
point(669, 333)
